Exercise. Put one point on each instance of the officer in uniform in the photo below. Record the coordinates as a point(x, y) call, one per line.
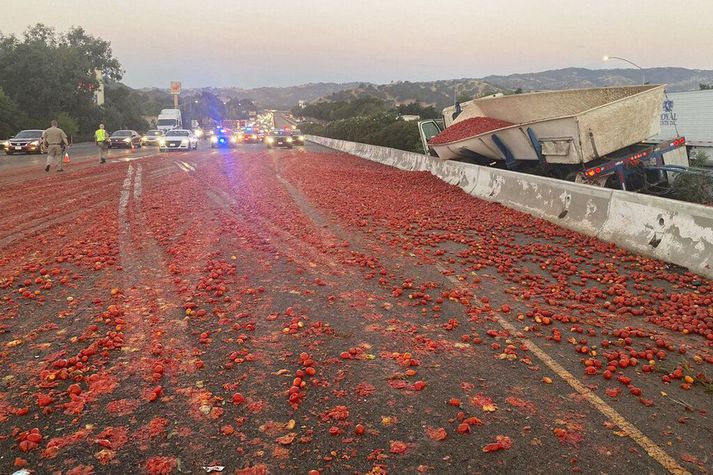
point(102, 140)
point(56, 139)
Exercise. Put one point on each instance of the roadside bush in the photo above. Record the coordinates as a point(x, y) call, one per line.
point(384, 129)
point(399, 134)
point(694, 188)
point(69, 124)
point(11, 120)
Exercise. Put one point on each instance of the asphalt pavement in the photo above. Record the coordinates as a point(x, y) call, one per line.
point(306, 311)
point(80, 154)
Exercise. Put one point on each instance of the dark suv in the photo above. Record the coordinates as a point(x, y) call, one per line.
point(26, 141)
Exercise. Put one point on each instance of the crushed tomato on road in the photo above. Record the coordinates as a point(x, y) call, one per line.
point(307, 311)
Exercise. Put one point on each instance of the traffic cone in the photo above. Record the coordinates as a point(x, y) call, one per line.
point(66, 157)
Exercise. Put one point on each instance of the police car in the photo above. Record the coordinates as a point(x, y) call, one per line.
point(223, 138)
point(279, 138)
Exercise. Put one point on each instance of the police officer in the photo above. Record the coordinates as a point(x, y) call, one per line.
point(102, 140)
point(56, 139)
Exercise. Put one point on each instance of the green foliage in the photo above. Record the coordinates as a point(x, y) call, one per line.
point(239, 109)
point(382, 128)
point(123, 109)
point(330, 111)
point(398, 134)
point(367, 120)
point(695, 188)
point(415, 108)
point(69, 124)
point(705, 87)
point(45, 72)
point(49, 75)
point(11, 120)
point(208, 106)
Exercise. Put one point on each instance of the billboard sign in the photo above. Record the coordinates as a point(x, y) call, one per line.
point(175, 87)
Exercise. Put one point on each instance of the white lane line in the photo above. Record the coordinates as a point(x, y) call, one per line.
point(125, 191)
point(137, 183)
point(189, 166)
point(652, 449)
point(181, 166)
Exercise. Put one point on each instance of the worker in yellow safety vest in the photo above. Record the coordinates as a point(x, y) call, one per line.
point(102, 139)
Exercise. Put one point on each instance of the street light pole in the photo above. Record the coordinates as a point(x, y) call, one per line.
point(643, 73)
point(190, 107)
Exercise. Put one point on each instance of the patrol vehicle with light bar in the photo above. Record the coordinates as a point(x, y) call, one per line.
point(223, 138)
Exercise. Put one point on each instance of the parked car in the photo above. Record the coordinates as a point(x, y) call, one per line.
point(178, 139)
point(26, 141)
point(152, 137)
point(279, 138)
point(125, 139)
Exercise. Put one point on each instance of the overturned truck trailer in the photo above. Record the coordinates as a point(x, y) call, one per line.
point(559, 127)
point(594, 136)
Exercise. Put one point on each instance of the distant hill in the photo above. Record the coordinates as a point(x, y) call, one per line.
point(677, 79)
point(281, 98)
point(433, 93)
point(441, 93)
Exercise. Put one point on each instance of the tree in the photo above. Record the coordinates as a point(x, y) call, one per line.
point(123, 109)
point(11, 120)
point(704, 87)
point(239, 109)
point(46, 73)
point(415, 108)
point(208, 106)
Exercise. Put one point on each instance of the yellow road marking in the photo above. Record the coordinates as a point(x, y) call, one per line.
point(654, 451)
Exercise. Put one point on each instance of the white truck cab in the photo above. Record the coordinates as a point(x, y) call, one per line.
point(169, 119)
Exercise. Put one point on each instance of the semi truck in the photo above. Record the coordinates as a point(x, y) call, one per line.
point(595, 136)
point(689, 114)
point(169, 119)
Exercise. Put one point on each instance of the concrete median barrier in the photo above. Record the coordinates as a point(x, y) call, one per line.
point(672, 231)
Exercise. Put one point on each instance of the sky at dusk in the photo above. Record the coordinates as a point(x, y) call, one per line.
point(282, 43)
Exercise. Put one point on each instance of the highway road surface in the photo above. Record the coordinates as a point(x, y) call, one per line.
point(304, 311)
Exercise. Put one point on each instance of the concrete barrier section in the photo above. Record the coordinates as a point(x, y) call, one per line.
point(672, 231)
point(579, 207)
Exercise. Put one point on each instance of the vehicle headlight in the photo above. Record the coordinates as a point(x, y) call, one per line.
point(270, 140)
point(214, 139)
point(144, 139)
point(6, 143)
point(301, 138)
point(233, 139)
point(184, 142)
point(127, 140)
point(162, 142)
point(35, 142)
point(289, 140)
